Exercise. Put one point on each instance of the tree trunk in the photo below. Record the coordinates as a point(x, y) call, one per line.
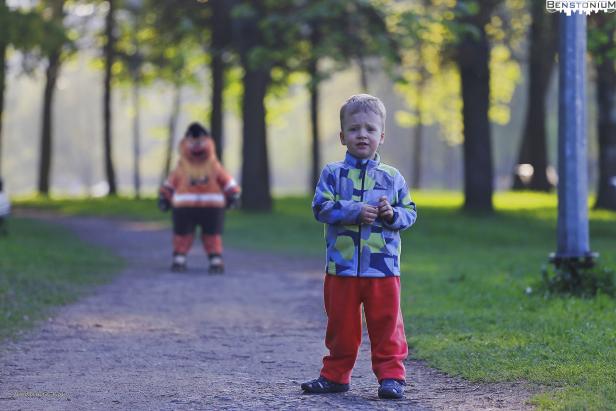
point(533, 149)
point(217, 66)
point(313, 86)
point(417, 149)
point(107, 119)
point(363, 74)
point(3, 47)
point(51, 77)
point(255, 166)
point(172, 129)
point(606, 125)
point(136, 139)
point(473, 61)
point(418, 135)
point(256, 194)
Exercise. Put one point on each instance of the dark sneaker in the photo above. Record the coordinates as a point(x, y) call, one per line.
point(391, 389)
point(179, 263)
point(217, 265)
point(323, 386)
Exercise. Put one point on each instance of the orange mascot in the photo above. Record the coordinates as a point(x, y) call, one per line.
point(197, 191)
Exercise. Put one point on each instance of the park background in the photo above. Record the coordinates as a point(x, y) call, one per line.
point(473, 302)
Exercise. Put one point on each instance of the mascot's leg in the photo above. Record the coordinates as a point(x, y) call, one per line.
point(181, 246)
point(213, 247)
point(183, 235)
point(211, 228)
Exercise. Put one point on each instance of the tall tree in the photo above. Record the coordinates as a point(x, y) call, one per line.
point(251, 40)
point(542, 52)
point(109, 55)
point(29, 32)
point(129, 53)
point(4, 42)
point(602, 44)
point(429, 80)
point(220, 41)
point(174, 46)
point(473, 57)
point(208, 24)
point(53, 50)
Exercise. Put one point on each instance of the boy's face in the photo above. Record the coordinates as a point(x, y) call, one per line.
point(362, 134)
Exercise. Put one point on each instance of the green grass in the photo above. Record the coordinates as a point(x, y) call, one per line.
point(464, 281)
point(42, 266)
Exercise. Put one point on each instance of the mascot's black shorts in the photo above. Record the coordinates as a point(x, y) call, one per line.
point(186, 219)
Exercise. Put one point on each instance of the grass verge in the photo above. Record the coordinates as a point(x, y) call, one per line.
point(468, 283)
point(42, 266)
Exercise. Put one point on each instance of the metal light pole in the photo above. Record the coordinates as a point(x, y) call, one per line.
point(573, 239)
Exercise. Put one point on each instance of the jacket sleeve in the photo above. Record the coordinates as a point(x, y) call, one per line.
point(327, 209)
point(405, 212)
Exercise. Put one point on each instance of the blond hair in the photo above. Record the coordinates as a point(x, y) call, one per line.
point(364, 103)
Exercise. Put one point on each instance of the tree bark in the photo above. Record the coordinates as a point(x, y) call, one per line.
point(606, 125)
point(109, 52)
point(219, 39)
point(255, 165)
point(417, 149)
point(473, 61)
point(136, 139)
point(418, 135)
point(256, 194)
point(313, 87)
point(3, 47)
point(363, 73)
point(51, 77)
point(533, 149)
point(172, 129)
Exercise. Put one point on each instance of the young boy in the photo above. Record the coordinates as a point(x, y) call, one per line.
point(365, 204)
point(198, 190)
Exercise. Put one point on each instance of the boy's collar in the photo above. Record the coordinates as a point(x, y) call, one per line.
point(360, 163)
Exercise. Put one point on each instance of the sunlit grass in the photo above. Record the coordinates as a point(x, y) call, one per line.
point(464, 288)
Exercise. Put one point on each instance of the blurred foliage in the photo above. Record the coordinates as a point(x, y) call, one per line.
point(35, 31)
point(427, 31)
point(160, 43)
point(601, 32)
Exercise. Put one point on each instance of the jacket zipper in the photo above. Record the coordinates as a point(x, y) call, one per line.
point(361, 199)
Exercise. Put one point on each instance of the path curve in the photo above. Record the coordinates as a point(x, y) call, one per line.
point(153, 339)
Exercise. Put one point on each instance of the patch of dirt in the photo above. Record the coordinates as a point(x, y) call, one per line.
point(153, 339)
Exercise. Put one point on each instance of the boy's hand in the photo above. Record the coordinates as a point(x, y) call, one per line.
point(386, 211)
point(368, 214)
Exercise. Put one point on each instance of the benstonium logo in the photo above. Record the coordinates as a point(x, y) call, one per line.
point(580, 6)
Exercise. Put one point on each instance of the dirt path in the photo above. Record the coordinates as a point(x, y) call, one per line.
point(161, 341)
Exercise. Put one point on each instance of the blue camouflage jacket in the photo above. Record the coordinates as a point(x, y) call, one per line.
point(355, 249)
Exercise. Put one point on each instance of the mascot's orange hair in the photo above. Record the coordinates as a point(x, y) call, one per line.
point(198, 158)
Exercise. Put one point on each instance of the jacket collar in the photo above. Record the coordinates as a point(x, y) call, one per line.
point(357, 163)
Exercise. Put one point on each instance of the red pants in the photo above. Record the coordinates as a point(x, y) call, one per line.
point(381, 299)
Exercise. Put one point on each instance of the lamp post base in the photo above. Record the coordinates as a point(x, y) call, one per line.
point(586, 261)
